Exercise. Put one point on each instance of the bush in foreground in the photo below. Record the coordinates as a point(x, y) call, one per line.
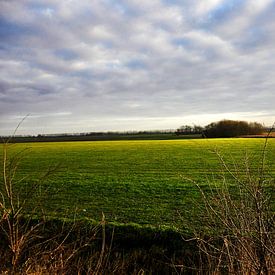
point(239, 221)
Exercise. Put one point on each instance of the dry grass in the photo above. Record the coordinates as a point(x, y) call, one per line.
point(239, 220)
point(37, 246)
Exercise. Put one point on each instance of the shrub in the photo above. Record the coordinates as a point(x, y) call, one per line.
point(238, 220)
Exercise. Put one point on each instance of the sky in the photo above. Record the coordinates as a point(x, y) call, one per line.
point(105, 65)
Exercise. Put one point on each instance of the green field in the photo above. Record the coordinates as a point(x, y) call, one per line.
point(142, 182)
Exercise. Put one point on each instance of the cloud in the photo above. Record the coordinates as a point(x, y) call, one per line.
point(107, 61)
point(204, 7)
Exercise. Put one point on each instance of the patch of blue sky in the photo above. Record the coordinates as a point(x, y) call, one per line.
point(208, 53)
point(221, 13)
point(5, 48)
point(115, 64)
point(163, 26)
point(41, 8)
point(253, 38)
point(10, 29)
point(122, 7)
point(66, 54)
point(107, 44)
point(182, 42)
point(136, 65)
point(88, 74)
point(172, 2)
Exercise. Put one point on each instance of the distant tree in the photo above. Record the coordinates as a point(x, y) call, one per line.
point(197, 129)
point(187, 129)
point(232, 128)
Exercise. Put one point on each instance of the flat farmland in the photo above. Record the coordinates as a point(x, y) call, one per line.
point(145, 182)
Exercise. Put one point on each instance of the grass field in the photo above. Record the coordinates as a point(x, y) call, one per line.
point(142, 182)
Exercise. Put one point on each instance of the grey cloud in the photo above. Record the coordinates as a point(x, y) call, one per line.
point(103, 61)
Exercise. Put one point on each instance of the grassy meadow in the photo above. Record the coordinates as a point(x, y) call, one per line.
point(144, 182)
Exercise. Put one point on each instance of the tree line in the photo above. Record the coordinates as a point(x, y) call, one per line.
point(224, 128)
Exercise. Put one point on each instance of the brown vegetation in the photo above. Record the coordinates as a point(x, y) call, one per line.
point(239, 221)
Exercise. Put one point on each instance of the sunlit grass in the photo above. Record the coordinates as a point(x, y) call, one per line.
point(143, 182)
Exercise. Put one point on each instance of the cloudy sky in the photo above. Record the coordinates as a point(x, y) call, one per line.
point(97, 65)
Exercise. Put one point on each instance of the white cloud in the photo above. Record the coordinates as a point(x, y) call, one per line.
point(255, 7)
point(151, 62)
point(205, 6)
point(206, 41)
